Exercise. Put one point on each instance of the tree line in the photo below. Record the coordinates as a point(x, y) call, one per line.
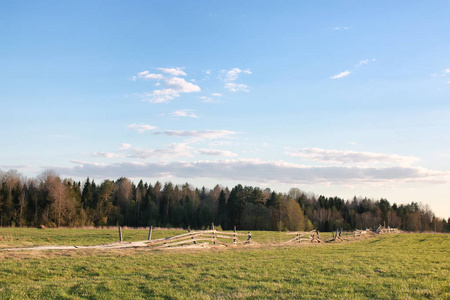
point(52, 201)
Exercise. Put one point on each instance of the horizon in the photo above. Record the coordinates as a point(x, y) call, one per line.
point(337, 99)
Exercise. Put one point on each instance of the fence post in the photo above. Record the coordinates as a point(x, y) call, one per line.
point(150, 233)
point(120, 234)
point(234, 239)
point(214, 234)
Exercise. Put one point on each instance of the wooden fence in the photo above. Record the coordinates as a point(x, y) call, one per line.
point(204, 238)
point(200, 239)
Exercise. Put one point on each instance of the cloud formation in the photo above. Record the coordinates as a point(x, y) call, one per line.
point(124, 146)
point(350, 157)
point(173, 71)
point(141, 128)
point(173, 150)
point(206, 99)
point(341, 28)
point(184, 113)
point(246, 170)
point(173, 86)
point(202, 134)
point(105, 154)
point(233, 74)
point(216, 152)
point(236, 87)
point(341, 75)
point(357, 66)
point(146, 75)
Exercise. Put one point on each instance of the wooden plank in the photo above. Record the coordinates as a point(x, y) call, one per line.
point(173, 244)
point(223, 236)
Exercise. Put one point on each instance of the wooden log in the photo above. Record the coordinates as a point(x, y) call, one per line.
point(150, 233)
point(222, 236)
point(120, 234)
point(249, 239)
point(291, 240)
point(173, 238)
point(175, 243)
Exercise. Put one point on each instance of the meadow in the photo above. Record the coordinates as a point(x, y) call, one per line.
point(390, 266)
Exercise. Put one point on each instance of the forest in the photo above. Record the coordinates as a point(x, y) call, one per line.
point(51, 201)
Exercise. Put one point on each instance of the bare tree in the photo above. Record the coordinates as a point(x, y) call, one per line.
point(57, 195)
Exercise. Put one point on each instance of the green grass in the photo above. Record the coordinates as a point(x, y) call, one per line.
point(405, 266)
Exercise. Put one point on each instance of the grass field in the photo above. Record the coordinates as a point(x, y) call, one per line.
point(403, 266)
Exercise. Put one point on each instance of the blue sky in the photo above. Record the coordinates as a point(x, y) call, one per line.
point(339, 98)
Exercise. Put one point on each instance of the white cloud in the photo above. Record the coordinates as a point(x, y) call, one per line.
point(208, 100)
point(216, 152)
point(341, 28)
point(146, 75)
point(124, 146)
point(357, 66)
point(184, 113)
point(141, 128)
point(364, 62)
point(245, 170)
point(182, 86)
point(105, 154)
point(220, 143)
point(236, 87)
point(205, 134)
point(173, 150)
point(160, 96)
point(233, 74)
point(350, 157)
point(174, 86)
point(173, 71)
point(341, 75)
point(216, 94)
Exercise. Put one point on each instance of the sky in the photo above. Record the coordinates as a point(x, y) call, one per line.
point(336, 98)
